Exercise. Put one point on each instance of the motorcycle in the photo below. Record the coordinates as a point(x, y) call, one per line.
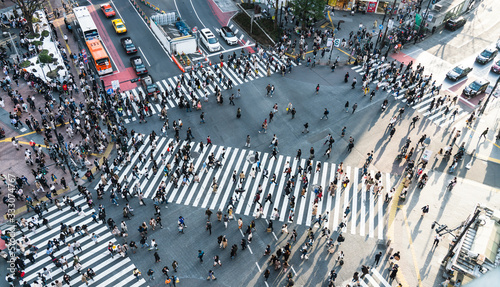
point(384, 105)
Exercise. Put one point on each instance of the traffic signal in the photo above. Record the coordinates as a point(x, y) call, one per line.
point(135, 80)
point(441, 228)
point(435, 1)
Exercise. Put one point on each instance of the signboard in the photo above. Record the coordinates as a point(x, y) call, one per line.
point(381, 27)
point(109, 91)
point(329, 42)
point(390, 24)
point(195, 29)
point(84, 54)
point(371, 7)
point(336, 43)
point(426, 155)
point(115, 84)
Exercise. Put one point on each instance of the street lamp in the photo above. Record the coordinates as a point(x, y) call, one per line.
point(64, 156)
point(483, 108)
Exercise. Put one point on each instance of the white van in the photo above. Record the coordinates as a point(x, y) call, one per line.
point(209, 40)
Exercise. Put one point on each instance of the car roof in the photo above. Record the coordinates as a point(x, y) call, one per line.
point(463, 67)
point(106, 6)
point(207, 32)
point(127, 40)
point(226, 28)
point(148, 80)
point(481, 81)
point(137, 60)
point(117, 21)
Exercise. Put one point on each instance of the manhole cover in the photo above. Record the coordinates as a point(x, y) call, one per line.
point(195, 154)
point(251, 158)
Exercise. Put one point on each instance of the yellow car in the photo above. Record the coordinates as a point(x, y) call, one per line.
point(119, 26)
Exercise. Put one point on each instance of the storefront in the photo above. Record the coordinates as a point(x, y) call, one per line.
point(341, 4)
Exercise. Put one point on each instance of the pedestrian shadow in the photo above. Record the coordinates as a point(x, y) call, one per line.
point(426, 268)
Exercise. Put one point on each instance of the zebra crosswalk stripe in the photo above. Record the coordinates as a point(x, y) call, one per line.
point(116, 271)
point(354, 204)
point(380, 277)
point(365, 210)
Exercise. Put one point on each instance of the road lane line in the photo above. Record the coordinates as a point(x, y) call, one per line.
point(144, 56)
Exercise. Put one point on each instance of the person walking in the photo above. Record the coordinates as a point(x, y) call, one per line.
point(211, 275)
point(354, 81)
point(200, 255)
point(435, 244)
point(485, 132)
point(306, 128)
point(317, 89)
point(247, 143)
point(346, 106)
point(175, 265)
point(157, 257)
point(392, 132)
point(151, 274)
point(377, 258)
point(354, 107)
point(425, 210)
point(202, 118)
point(325, 114)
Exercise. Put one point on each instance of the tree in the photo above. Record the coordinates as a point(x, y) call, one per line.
point(28, 7)
point(307, 10)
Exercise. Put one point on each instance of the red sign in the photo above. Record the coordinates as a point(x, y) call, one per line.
point(371, 7)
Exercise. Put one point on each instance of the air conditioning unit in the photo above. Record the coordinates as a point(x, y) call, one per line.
point(437, 7)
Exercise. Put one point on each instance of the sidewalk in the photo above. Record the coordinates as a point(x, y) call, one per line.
point(13, 161)
point(486, 149)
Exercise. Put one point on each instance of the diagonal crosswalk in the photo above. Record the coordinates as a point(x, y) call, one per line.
point(189, 90)
point(441, 116)
point(367, 210)
point(116, 271)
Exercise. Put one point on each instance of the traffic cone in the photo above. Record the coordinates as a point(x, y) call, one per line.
point(210, 63)
point(201, 65)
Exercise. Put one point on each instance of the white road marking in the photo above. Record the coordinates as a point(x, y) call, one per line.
point(144, 56)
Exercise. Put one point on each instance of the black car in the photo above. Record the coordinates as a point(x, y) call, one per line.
point(149, 85)
point(487, 55)
point(138, 65)
point(458, 72)
point(454, 24)
point(128, 45)
point(475, 88)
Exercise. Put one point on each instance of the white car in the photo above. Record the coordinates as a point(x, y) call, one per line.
point(209, 40)
point(228, 35)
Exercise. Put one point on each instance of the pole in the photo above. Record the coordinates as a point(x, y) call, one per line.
point(378, 34)
point(64, 155)
point(489, 96)
point(422, 25)
point(386, 28)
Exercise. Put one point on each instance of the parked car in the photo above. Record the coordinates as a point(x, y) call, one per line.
point(475, 88)
point(228, 35)
point(486, 55)
point(128, 45)
point(138, 65)
point(209, 40)
point(454, 24)
point(119, 26)
point(496, 67)
point(458, 72)
point(149, 85)
point(108, 10)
